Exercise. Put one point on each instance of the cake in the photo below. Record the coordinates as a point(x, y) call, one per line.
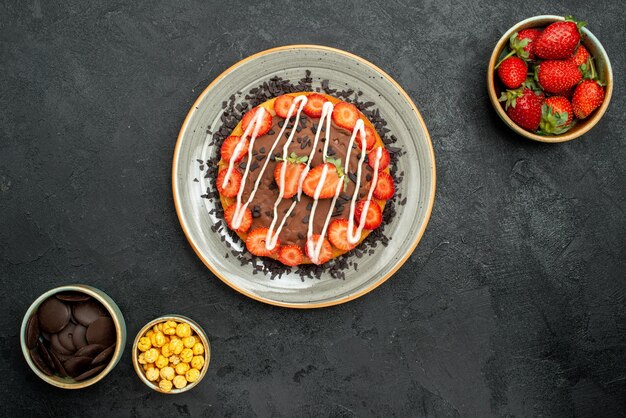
point(303, 178)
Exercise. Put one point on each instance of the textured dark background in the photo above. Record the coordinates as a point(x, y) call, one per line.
point(512, 305)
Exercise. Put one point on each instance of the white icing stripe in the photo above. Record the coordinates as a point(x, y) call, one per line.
point(327, 111)
point(241, 209)
point(271, 239)
point(254, 124)
point(354, 237)
point(309, 234)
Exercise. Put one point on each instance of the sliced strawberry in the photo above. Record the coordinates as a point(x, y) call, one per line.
point(384, 159)
point(384, 186)
point(338, 234)
point(315, 103)
point(232, 187)
point(282, 105)
point(229, 145)
point(255, 243)
point(313, 177)
point(266, 121)
point(326, 252)
point(370, 139)
point(295, 167)
point(345, 115)
point(290, 255)
point(374, 215)
point(246, 222)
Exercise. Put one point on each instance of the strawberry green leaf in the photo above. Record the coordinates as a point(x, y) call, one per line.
point(579, 24)
point(510, 97)
point(517, 45)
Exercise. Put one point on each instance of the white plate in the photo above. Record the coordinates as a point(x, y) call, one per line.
point(343, 70)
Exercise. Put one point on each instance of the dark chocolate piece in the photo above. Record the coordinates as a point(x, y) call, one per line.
point(57, 346)
point(91, 350)
point(101, 331)
point(65, 337)
point(90, 373)
point(79, 338)
point(77, 365)
point(72, 296)
point(45, 354)
point(40, 363)
point(32, 331)
point(87, 312)
point(58, 364)
point(104, 356)
point(53, 315)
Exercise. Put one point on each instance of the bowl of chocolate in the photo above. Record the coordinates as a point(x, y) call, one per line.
point(72, 336)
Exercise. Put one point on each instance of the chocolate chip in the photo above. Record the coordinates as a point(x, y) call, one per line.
point(101, 331)
point(352, 177)
point(53, 315)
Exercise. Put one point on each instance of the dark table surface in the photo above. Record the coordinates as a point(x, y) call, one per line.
point(513, 304)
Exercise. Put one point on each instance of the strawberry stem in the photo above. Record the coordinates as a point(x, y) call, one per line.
point(507, 56)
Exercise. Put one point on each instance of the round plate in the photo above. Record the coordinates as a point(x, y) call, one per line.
point(343, 70)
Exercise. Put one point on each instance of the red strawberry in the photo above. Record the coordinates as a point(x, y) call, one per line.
point(266, 121)
point(314, 104)
point(370, 139)
point(295, 167)
point(525, 49)
point(524, 107)
point(567, 93)
point(512, 71)
point(374, 215)
point(384, 186)
point(282, 105)
point(290, 255)
point(234, 182)
point(557, 76)
point(588, 96)
point(314, 176)
point(557, 115)
point(326, 252)
point(255, 243)
point(559, 40)
point(338, 234)
point(345, 115)
point(384, 159)
point(246, 222)
point(580, 56)
point(228, 148)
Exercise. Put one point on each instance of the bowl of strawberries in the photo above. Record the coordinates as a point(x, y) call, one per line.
point(550, 79)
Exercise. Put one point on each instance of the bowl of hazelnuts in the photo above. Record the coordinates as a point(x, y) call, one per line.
point(171, 354)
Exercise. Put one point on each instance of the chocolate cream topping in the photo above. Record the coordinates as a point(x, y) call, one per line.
point(295, 229)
